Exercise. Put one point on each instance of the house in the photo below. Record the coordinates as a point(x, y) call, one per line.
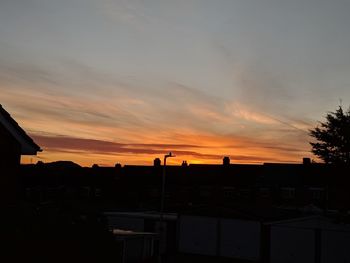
point(14, 142)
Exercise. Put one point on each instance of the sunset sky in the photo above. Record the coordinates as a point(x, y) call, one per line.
point(124, 81)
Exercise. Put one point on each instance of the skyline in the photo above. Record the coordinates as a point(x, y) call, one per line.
point(110, 82)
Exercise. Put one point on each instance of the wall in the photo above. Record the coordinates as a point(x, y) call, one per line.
point(292, 245)
point(211, 236)
point(314, 240)
point(9, 165)
point(335, 247)
point(198, 235)
point(240, 239)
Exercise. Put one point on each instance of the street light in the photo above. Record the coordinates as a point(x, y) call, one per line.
point(162, 200)
point(163, 186)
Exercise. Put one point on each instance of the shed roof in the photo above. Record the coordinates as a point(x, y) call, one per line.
point(28, 146)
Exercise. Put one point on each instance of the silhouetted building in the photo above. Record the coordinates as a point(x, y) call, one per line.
point(229, 211)
point(14, 142)
point(157, 162)
point(226, 160)
point(292, 186)
point(306, 160)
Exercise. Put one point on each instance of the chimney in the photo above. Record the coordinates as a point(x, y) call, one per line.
point(156, 162)
point(306, 161)
point(226, 161)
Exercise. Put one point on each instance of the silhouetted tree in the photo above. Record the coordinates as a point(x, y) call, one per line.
point(333, 138)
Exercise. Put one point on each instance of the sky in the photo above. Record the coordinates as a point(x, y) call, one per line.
point(126, 81)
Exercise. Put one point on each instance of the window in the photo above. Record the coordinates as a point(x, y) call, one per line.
point(84, 191)
point(205, 191)
point(288, 192)
point(316, 193)
point(98, 192)
point(264, 192)
point(229, 192)
point(152, 192)
point(244, 193)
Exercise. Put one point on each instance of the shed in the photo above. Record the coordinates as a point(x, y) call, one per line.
point(14, 142)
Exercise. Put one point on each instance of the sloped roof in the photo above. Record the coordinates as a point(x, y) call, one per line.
point(28, 146)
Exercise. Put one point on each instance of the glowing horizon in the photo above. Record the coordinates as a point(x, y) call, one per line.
point(116, 81)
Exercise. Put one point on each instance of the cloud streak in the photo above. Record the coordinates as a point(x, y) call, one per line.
point(81, 146)
point(187, 120)
point(71, 144)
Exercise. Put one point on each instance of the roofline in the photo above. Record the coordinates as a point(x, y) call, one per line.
point(18, 128)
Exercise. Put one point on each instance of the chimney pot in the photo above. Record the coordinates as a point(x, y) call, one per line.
point(226, 160)
point(157, 162)
point(306, 160)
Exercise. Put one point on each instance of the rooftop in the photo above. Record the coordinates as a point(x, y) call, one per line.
point(28, 146)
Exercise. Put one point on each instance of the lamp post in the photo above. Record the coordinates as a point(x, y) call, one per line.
point(161, 212)
point(163, 186)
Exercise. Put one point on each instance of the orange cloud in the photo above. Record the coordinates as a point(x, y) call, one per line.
point(129, 123)
point(211, 149)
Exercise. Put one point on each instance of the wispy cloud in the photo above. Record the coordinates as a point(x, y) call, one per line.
point(213, 151)
point(74, 143)
point(71, 144)
point(240, 111)
point(148, 117)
